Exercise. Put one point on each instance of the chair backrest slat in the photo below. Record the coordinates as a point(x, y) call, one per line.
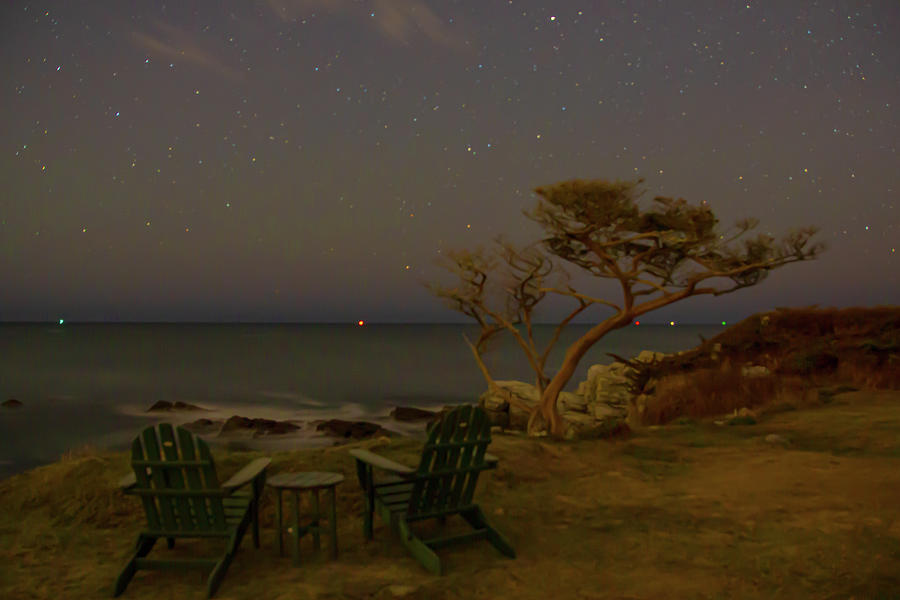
point(481, 427)
point(170, 460)
point(452, 459)
point(175, 479)
point(142, 476)
point(159, 479)
point(194, 478)
point(216, 510)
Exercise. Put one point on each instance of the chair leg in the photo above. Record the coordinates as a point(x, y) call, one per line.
point(278, 524)
point(370, 504)
point(170, 542)
point(258, 484)
point(218, 573)
point(332, 522)
point(476, 519)
point(420, 551)
point(295, 532)
point(143, 546)
point(317, 543)
point(254, 516)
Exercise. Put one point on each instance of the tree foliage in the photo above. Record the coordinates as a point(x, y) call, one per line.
point(658, 255)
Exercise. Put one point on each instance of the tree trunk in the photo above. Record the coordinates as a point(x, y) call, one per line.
point(546, 410)
point(492, 386)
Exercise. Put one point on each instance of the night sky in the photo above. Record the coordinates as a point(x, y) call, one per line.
point(309, 160)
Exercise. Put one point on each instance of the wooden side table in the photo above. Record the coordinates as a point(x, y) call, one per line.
point(296, 483)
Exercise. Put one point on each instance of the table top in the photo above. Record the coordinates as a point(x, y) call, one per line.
point(307, 480)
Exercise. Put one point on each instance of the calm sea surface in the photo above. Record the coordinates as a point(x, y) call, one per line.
point(92, 383)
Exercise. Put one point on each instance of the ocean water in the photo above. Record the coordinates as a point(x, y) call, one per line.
point(92, 383)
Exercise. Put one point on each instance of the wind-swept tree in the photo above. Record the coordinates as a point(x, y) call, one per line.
point(501, 300)
point(658, 256)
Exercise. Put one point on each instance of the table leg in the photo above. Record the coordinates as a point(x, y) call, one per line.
point(296, 532)
point(370, 502)
point(333, 522)
point(316, 520)
point(278, 522)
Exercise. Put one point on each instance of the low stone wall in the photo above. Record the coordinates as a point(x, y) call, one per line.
point(598, 405)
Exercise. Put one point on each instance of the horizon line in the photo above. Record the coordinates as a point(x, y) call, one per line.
point(353, 323)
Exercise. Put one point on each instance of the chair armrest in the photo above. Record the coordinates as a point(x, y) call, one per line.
point(247, 474)
point(491, 459)
point(381, 462)
point(127, 482)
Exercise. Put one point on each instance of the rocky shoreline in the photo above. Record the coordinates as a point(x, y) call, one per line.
point(255, 428)
point(598, 408)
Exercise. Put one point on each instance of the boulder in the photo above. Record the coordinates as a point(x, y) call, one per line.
point(410, 413)
point(498, 418)
point(519, 416)
point(649, 355)
point(510, 403)
point(11, 403)
point(603, 412)
point(523, 391)
point(166, 406)
point(640, 404)
point(203, 426)
point(356, 430)
point(259, 427)
point(754, 371)
point(573, 402)
point(583, 426)
point(606, 383)
point(490, 401)
point(578, 421)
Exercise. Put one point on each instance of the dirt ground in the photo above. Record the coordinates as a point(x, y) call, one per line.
point(695, 510)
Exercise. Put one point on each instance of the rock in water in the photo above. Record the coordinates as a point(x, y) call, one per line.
point(166, 406)
point(410, 413)
point(356, 430)
point(203, 426)
point(179, 405)
point(11, 403)
point(257, 426)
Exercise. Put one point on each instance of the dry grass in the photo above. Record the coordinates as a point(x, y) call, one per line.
point(714, 392)
point(804, 349)
point(684, 511)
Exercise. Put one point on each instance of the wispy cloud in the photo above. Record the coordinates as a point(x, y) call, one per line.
point(399, 21)
point(180, 45)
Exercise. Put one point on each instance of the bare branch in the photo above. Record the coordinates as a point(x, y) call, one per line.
point(584, 297)
point(667, 251)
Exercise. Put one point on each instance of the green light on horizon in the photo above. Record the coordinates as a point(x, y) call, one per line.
point(723, 322)
point(61, 321)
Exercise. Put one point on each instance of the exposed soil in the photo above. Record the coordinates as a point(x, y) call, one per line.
point(696, 510)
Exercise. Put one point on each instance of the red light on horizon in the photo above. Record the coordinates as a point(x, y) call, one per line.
point(637, 322)
point(360, 322)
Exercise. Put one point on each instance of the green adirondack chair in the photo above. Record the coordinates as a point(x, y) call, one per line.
point(174, 475)
point(442, 486)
